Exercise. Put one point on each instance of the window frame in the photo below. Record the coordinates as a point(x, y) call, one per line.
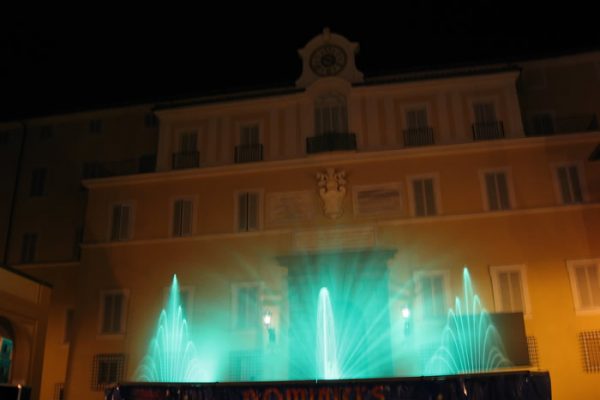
point(235, 312)
point(507, 171)
point(124, 313)
point(419, 303)
point(194, 215)
point(131, 222)
point(34, 255)
point(260, 212)
point(495, 270)
point(436, 194)
point(582, 183)
point(325, 100)
point(484, 99)
point(571, 266)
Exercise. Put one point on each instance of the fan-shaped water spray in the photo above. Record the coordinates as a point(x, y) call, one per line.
point(470, 342)
point(172, 355)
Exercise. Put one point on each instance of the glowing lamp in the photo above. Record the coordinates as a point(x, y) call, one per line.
point(405, 312)
point(267, 319)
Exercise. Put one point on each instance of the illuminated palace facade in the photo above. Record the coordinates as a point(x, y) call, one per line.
point(380, 189)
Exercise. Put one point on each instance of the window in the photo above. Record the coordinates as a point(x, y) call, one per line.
point(486, 125)
point(432, 293)
point(497, 194)
point(77, 243)
point(585, 284)
point(249, 148)
point(417, 132)
point(381, 199)
point(331, 115)
point(484, 112)
point(590, 348)
point(509, 284)
point(29, 247)
point(188, 156)
point(188, 142)
point(246, 306)
point(248, 215)
point(543, 123)
point(424, 202)
point(249, 135)
point(122, 215)
point(107, 369)
point(112, 312)
point(68, 334)
point(46, 132)
point(96, 126)
point(183, 215)
point(569, 184)
point(416, 118)
point(38, 182)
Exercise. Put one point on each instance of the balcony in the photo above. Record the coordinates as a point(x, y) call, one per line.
point(141, 165)
point(488, 130)
point(555, 126)
point(187, 159)
point(330, 142)
point(248, 153)
point(422, 136)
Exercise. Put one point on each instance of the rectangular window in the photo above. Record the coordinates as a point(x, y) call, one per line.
point(107, 369)
point(248, 204)
point(29, 247)
point(249, 135)
point(585, 284)
point(96, 126)
point(46, 132)
point(188, 142)
point(183, 210)
point(416, 118)
point(424, 198)
point(247, 306)
point(509, 284)
point(590, 347)
point(431, 288)
point(496, 190)
point(38, 182)
point(112, 312)
point(121, 222)
point(569, 184)
point(484, 112)
point(68, 334)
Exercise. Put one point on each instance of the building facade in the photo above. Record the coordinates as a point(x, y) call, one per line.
point(379, 189)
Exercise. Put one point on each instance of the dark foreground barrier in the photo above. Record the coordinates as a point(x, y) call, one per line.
point(490, 386)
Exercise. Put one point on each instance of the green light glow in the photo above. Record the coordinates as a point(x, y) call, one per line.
point(470, 342)
point(172, 356)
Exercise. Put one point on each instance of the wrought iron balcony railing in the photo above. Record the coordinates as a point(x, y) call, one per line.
point(572, 124)
point(330, 142)
point(422, 136)
point(187, 159)
point(488, 130)
point(248, 153)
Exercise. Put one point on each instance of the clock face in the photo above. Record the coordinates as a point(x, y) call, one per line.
point(328, 60)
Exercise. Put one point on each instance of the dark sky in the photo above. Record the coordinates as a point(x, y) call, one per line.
point(104, 57)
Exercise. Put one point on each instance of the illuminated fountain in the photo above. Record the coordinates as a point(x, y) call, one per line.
point(172, 355)
point(470, 341)
point(326, 359)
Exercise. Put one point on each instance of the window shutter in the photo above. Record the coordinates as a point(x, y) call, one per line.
point(186, 217)
point(575, 185)
point(585, 297)
point(516, 292)
point(505, 297)
point(243, 212)
point(492, 195)
point(484, 112)
point(177, 218)
point(124, 226)
point(502, 191)
point(563, 180)
point(117, 313)
point(419, 200)
point(594, 284)
point(116, 222)
point(319, 121)
point(252, 211)
point(107, 316)
point(430, 197)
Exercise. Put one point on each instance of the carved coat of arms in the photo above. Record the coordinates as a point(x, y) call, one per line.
point(332, 189)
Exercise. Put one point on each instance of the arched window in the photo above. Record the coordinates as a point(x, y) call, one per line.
point(331, 115)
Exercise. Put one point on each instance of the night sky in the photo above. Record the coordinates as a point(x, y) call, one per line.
point(104, 57)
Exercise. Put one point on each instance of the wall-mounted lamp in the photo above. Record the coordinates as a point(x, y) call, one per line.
point(407, 321)
point(267, 321)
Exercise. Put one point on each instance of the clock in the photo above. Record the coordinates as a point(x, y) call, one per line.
point(328, 60)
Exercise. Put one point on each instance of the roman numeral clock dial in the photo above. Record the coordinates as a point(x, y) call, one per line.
point(328, 60)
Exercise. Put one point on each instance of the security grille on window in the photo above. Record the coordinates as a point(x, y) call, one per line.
point(424, 197)
point(496, 188)
point(182, 217)
point(569, 184)
point(247, 312)
point(432, 293)
point(113, 313)
point(28, 247)
point(245, 366)
point(121, 221)
point(590, 350)
point(532, 350)
point(107, 369)
point(248, 211)
point(38, 182)
point(585, 282)
point(331, 115)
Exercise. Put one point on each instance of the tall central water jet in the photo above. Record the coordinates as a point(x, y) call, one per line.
point(172, 356)
point(327, 362)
